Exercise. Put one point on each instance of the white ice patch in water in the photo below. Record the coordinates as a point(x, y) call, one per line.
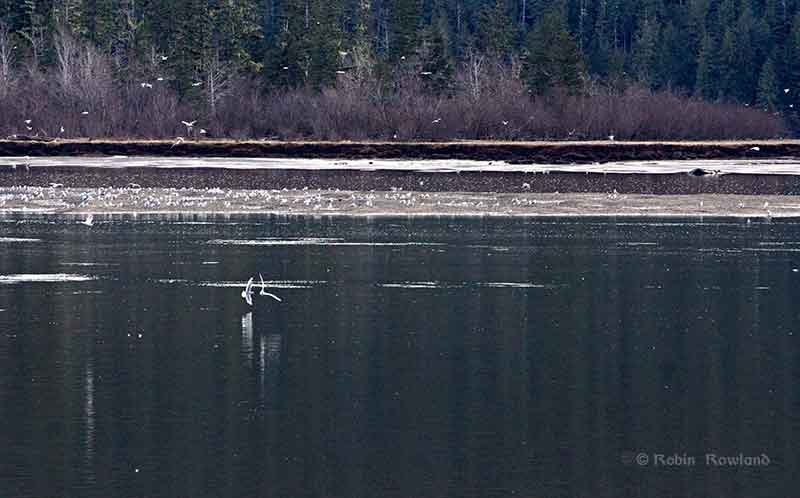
point(513, 285)
point(768, 249)
point(415, 285)
point(70, 263)
point(552, 201)
point(271, 284)
point(312, 242)
point(44, 278)
point(11, 240)
point(461, 285)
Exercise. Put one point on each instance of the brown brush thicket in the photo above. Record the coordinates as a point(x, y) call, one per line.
point(84, 94)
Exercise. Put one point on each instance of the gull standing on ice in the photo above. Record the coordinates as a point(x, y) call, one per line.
point(264, 290)
point(247, 293)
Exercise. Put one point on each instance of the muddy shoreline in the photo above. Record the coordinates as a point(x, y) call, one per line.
point(514, 152)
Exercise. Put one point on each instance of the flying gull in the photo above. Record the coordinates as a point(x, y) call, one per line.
point(247, 293)
point(264, 290)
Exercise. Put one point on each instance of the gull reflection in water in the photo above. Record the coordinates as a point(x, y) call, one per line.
point(269, 361)
point(268, 354)
point(247, 336)
point(89, 411)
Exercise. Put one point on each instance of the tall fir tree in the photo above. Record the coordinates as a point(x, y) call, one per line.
point(405, 17)
point(646, 54)
point(767, 97)
point(706, 82)
point(434, 56)
point(553, 59)
point(496, 29)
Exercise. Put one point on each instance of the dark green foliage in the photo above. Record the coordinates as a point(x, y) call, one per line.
point(434, 57)
point(553, 59)
point(646, 56)
point(405, 17)
point(706, 81)
point(305, 51)
point(767, 87)
point(496, 29)
point(716, 49)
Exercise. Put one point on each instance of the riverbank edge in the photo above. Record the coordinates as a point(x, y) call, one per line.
point(552, 152)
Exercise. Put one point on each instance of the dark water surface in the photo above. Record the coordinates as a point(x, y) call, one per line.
point(409, 358)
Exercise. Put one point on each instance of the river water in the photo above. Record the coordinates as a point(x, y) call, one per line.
point(409, 357)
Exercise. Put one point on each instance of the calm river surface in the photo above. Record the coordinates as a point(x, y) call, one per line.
point(428, 357)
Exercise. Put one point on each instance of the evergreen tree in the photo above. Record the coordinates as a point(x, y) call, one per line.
point(496, 31)
point(604, 45)
point(553, 59)
point(792, 78)
point(646, 54)
point(69, 14)
point(405, 26)
point(726, 67)
point(713, 48)
point(308, 46)
point(767, 97)
point(434, 57)
point(744, 80)
point(706, 84)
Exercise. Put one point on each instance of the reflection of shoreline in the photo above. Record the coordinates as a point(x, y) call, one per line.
point(247, 336)
point(269, 355)
point(269, 363)
point(89, 414)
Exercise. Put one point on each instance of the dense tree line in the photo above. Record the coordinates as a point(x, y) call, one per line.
point(197, 53)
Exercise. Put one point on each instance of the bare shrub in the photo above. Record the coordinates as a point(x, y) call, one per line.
point(6, 61)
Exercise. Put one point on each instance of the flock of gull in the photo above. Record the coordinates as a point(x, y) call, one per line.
point(134, 199)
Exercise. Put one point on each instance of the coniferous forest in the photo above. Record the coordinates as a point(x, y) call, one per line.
point(400, 69)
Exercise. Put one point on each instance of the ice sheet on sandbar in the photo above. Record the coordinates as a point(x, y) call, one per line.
point(17, 240)
point(786, 166)
point(44, 278)
point(271, 284)
point(311, 241)
point(461, 285)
